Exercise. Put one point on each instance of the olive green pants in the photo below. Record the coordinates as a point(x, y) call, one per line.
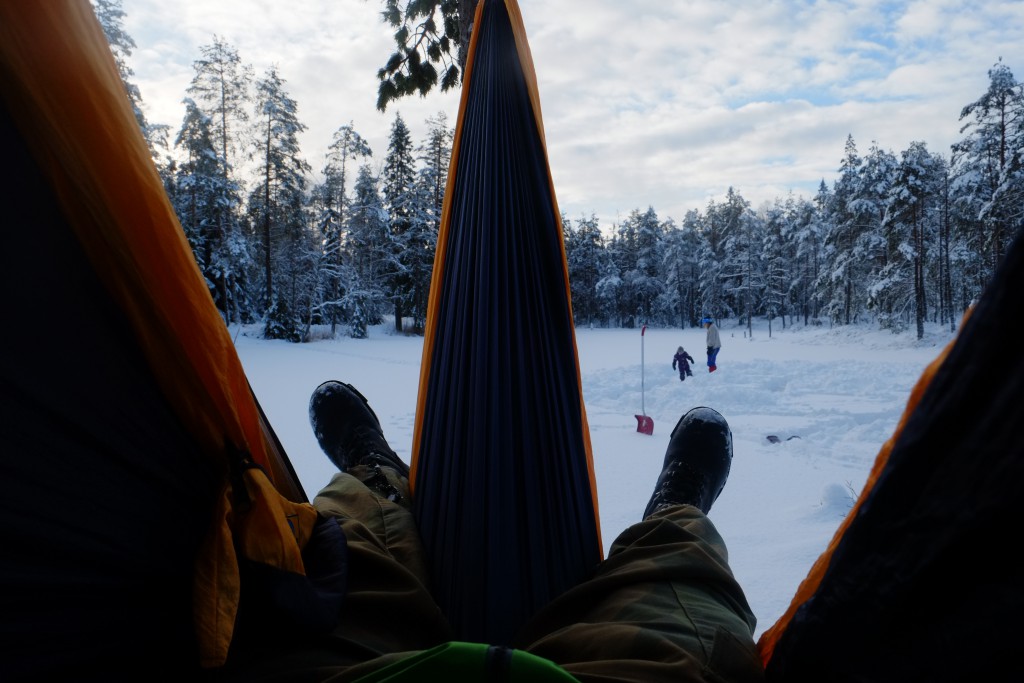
point(663, 606)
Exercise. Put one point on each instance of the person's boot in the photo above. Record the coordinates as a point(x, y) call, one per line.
point(697, 462)
point(348, 430)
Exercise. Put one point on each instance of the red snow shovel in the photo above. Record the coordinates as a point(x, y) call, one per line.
point(644, 424)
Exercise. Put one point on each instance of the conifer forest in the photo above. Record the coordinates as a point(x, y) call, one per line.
point(897, 239)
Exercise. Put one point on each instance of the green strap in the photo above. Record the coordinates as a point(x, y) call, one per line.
point(458, 661)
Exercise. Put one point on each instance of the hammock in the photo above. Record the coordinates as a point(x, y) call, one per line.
point(502, 469)
point(124, 461)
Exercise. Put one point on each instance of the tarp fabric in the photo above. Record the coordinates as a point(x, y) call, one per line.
point(63, 93)
point(105, 497)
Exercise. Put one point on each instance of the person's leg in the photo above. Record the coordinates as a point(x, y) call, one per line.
point(388, 613)
point(664, 605)
point(388, 607)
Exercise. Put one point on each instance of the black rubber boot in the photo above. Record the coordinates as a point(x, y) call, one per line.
point(697, 462)
point(348, 430)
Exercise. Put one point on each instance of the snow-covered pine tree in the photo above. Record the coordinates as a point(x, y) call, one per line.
point(366, 248)
point(398, 179)
point(988, 171)
point(110, 14)
point(682, 265)
point(777, 261)
point(741, 271)
point(427, 202)
point(220, 91)
point(277, 209)
point(872, 250)
point(205, 200)
point(346, 146)
point(841, 274)
point(912, 225)
point(804, 228)
point(585, 256)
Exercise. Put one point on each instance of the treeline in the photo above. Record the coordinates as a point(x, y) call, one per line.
point(274, 246)
point(897, 240)
point(278, 249)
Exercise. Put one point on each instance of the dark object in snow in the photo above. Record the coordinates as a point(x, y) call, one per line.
point(682, 360)
point(774, 439)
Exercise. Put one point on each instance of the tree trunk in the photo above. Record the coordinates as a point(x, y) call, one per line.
point(919, 299)
point(849, 300)
point(266, 224)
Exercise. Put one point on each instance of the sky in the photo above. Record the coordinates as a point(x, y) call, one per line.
point(645, 103)
point(841, 391)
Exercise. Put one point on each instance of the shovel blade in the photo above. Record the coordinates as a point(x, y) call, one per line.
point(644, 424)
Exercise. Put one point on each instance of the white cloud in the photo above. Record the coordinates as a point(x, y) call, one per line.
point(645, 102)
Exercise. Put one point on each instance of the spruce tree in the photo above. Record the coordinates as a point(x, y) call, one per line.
point(111, 17)
point(425, 216)
point(431, 41)
point(776, 260)
point(205, 200)
point(220, 88)
point(398, 178)
point(584, 252)
point(988, 169)
point(277, 209)
point(841, 271)
point(805, 227)
point(911, 225)
point(367, 255)
point(347, 145)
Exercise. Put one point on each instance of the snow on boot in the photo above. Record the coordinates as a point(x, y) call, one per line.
point(697, 462)
point(348, 430)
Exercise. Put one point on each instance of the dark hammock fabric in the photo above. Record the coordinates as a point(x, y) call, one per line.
point(104, 495)
point(925, 583)
point(502, 473)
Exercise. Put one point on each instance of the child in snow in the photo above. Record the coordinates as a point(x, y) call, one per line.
point(682, 359)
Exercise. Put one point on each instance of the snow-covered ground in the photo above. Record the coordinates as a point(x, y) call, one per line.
point(840, 390)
